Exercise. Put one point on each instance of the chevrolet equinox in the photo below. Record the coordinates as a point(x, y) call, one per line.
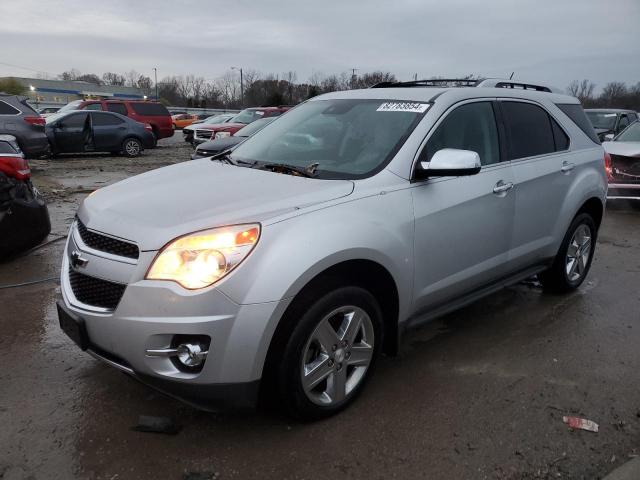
point(290, 263)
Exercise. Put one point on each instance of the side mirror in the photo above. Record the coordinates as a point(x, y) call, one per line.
point(450, 162)
point(609, 137)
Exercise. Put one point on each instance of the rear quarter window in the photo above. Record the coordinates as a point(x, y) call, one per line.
point(575, 112)
point(6, 109)
point(92, 106)
point(6, 147)
point(150, 109)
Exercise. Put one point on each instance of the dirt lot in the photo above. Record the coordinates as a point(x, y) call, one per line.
point(478, 394)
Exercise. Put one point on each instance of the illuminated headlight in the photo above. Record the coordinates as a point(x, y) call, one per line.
point(222, 134)
point(200, 259)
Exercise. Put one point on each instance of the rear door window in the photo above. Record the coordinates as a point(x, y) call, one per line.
point(529, 130)
point(104, 119)
point(74, 120)
point(469, 127)
point(120, 108)
point(559, 137)
point(6, 109)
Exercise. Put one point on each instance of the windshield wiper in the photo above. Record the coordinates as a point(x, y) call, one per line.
point(310, 171)
point(225, 157)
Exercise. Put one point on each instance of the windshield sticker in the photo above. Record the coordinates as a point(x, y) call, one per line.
point(413, 107)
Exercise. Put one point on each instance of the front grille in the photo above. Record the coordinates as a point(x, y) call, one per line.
point(206, 134)
point(107, 244)
point(95, 291)
point(625, 169)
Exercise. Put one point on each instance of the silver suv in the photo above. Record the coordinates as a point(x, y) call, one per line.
point(287, 266)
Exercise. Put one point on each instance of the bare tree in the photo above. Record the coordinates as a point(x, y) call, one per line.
point(583, 90)
point(131, 78)
point(70, 75)
point(111, 78)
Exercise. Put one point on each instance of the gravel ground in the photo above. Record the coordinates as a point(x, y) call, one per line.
point(477, 394)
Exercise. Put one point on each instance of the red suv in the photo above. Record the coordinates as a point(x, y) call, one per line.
point(209, 131)
point(153, 113)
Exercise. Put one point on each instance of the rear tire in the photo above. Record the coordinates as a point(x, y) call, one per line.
point(573, 261)
point(330, 354)
point(131, 147)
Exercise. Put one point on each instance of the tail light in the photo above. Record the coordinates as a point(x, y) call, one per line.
point(608, 166)
point(37, 121)
point(16, 167)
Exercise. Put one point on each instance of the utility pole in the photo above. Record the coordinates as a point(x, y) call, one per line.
point(353, 77)
point(155, 73)
point(241, 86)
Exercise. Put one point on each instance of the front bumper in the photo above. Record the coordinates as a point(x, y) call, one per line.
point(151, 313)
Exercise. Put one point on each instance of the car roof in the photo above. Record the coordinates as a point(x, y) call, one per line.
point(430, 94)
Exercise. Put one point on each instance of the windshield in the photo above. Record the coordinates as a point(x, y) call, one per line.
point(630, 134)
point(71, 106)
point(217, 119)
point(346, 138)
point(247, 116)
point(604, 120)
point(254, 127)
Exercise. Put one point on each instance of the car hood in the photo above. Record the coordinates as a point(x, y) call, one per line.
point(219, 144)
point(624, 149)
point(158, 206)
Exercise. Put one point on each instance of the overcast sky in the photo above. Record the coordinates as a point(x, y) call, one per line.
point(553, 41)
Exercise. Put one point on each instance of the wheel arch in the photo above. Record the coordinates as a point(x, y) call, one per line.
point(368, 274)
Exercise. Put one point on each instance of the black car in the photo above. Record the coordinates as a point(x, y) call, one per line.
point(218, 145)
point(610, 121)
point(94, 131)
point(24, 218)
point(17, 118)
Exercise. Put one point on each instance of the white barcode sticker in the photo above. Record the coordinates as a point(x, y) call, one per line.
point(414, 107)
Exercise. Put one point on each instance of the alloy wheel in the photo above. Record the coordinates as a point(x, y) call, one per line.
point(132, 148)
point(337, 355)
point(578, 253)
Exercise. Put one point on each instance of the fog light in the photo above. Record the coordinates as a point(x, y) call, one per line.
point(191, 355)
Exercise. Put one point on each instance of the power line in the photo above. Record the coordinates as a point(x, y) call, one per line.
point(25, 68)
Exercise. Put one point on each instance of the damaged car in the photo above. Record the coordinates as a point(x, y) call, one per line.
point(623, 165)
point(24, 218)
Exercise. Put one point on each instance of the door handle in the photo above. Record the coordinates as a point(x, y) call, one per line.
point(567, 167)
point(502, 187)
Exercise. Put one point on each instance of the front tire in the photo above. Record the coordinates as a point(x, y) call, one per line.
point(131, 147)
point(330, 353)
point(573, 261)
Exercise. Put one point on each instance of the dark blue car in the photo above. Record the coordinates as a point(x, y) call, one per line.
point(93, 131)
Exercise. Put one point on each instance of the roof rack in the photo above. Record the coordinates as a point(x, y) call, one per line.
point(500, 83)
point(431, 82)
point(466, 82)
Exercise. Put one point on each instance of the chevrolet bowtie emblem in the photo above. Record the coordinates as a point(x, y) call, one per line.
point(77, 260)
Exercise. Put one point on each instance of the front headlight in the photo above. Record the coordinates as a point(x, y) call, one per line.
point(200, 259)
point(223, 134)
